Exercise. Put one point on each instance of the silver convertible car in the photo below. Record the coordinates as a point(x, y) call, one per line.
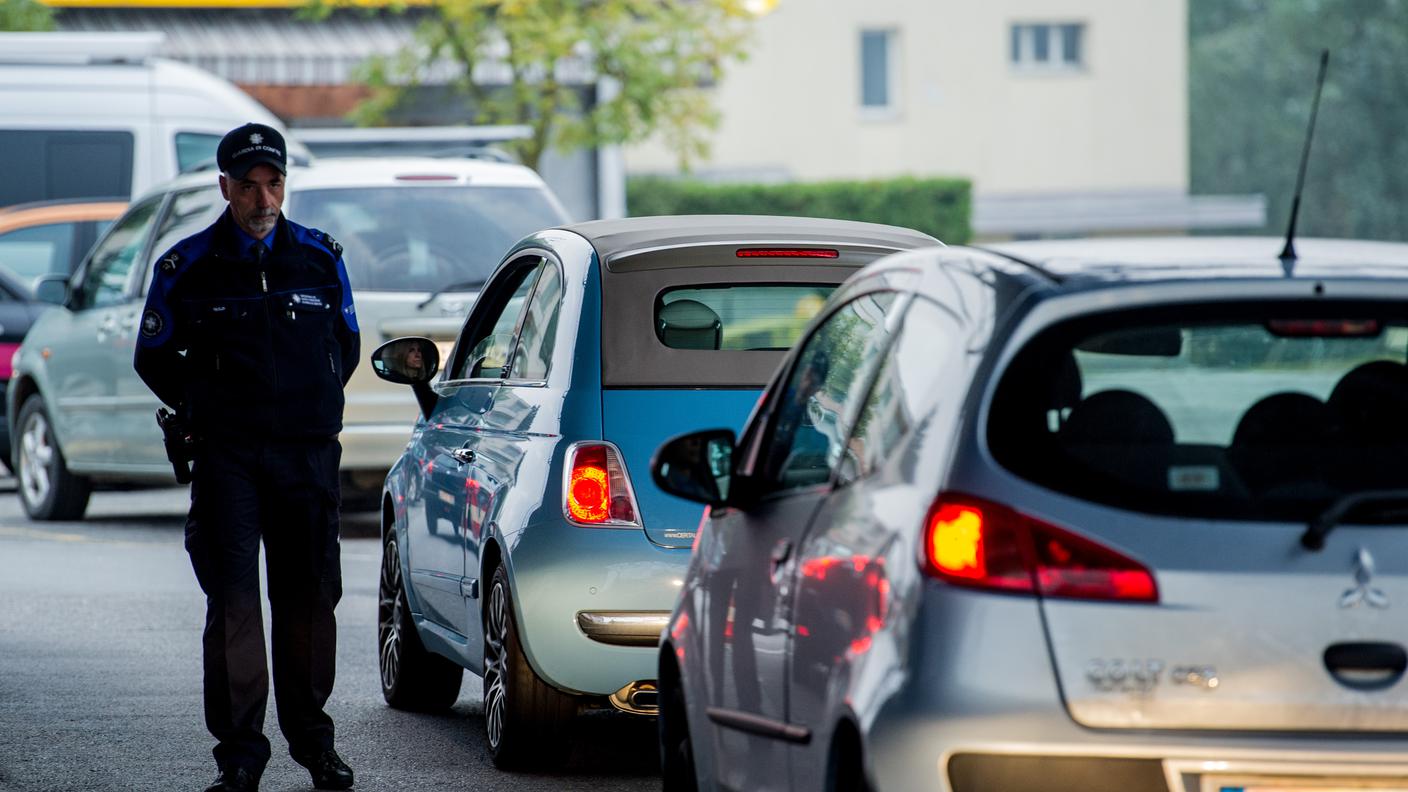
point(1097, 516)
point(523, 537)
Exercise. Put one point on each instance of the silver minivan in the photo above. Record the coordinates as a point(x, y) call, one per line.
point(1089, 515)
point(419, 236)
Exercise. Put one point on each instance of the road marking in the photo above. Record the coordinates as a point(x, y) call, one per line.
point(30, 533)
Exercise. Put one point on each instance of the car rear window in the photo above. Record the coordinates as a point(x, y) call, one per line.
point(1264, 412)
point(424, 238)
point(753, 317)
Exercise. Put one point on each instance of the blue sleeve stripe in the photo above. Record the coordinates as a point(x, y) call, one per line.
point(349, 311)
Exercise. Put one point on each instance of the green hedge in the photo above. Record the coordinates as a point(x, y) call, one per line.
point(939, 207)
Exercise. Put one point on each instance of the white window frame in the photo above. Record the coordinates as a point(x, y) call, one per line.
point(1024, 60)
point(891, 110)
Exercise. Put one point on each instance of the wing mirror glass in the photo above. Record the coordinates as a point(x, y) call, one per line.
point(696, 466)
point(407, 361)
point(52, 289)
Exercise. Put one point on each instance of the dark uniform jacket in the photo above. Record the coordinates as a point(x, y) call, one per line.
point(251, 350)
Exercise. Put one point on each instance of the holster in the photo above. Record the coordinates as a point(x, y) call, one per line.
point(180, 443)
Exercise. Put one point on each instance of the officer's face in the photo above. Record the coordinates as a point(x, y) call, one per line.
point(256, 199)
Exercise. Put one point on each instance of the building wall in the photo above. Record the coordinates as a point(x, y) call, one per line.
point(1119, 122)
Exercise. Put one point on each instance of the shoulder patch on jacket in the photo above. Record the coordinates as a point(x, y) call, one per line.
point(317, 238)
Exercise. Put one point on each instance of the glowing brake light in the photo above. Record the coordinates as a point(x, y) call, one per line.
point(787, 253)
point(977, 543)
point(1324, 328)
point(596, 489)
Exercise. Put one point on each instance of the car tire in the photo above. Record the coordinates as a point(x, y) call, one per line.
point(412, 677)
point(47, 490)
point(676, 750)
point(525, 718)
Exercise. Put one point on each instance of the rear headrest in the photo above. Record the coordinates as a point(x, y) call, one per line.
point(689, 324)
point(1282, 419)
point(1116, 417)
point(1371, 401)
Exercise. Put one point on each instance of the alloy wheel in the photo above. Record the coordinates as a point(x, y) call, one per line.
point(495, 664)
point(391, 607)
point(36, 458)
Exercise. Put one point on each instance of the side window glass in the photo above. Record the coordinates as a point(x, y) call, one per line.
point(110, 264)
point(189, 212)
point(485, 355)
point(37, 250)
point(534, 352)
point(907, 382)
point(824, 392)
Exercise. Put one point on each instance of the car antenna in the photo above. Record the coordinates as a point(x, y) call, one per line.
point(1288, 253)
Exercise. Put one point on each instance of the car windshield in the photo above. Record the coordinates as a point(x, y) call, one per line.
point(766, 316)
point(424, 238)
point(1265, 413)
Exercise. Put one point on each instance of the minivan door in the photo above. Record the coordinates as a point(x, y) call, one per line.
point(91, 353)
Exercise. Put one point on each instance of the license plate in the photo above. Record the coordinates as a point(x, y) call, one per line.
point(1302, 784)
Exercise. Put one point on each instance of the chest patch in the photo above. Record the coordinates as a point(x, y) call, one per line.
point(308, 299)
point(152, 324)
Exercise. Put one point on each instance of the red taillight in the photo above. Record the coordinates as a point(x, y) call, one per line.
point(597, 490)
point(977, 543)
point(1324, 328)
point(7, 358)
point(588, 491)
point(787, 253)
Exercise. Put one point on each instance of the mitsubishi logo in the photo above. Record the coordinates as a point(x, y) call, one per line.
point(1362, 591)
point(256, 138)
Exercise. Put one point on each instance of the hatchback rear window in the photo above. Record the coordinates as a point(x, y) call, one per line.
point(1267, 412)
point(753, 317)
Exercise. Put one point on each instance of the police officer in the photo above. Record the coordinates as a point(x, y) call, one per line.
point(250, 335)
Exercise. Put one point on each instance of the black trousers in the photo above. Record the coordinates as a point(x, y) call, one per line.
point(285, 493)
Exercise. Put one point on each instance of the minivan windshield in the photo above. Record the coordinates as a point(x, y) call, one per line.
point(424, 238)
point(1267, 412)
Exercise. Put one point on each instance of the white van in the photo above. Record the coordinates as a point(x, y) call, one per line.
point(87, 115)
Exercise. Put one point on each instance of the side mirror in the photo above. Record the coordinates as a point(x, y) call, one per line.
point(696, 466)
point(406, 361)
point(52, 288)
point(410, 361)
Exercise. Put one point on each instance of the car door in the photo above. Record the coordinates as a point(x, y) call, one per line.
point(92, 352)
point(438, 540)
point(749, 573)
point(852, 559)
point(138, 443)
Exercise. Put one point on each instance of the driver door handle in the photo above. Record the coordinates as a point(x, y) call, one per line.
point(464, 456)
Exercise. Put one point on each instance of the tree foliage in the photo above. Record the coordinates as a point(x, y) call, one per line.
point(545, 55)
point(1252, 72)
point(25, 15)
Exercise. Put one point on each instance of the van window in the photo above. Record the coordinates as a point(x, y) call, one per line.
point(194, 148)
point(41, 165)
point(1263, 412)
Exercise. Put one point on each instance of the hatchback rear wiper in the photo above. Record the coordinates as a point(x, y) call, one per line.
point(456, 286)
point(1320, 527)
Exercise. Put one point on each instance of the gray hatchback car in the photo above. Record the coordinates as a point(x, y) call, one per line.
point(1096, 516)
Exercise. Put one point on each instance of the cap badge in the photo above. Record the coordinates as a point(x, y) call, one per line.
point(256, 138)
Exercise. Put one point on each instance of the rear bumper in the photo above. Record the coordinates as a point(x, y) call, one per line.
point(586, 598)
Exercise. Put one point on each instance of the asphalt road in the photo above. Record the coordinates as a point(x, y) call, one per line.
point(100, 627)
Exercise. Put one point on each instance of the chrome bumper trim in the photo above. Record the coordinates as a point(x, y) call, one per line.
point(623, 628)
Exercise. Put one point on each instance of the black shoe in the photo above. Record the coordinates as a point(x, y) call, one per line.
point(236, 780)
point(327, 769)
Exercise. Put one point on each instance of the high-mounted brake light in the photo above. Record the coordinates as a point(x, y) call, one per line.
point(787, 253)
point(976, 543)
point(1324, 328)
point(596, 489)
